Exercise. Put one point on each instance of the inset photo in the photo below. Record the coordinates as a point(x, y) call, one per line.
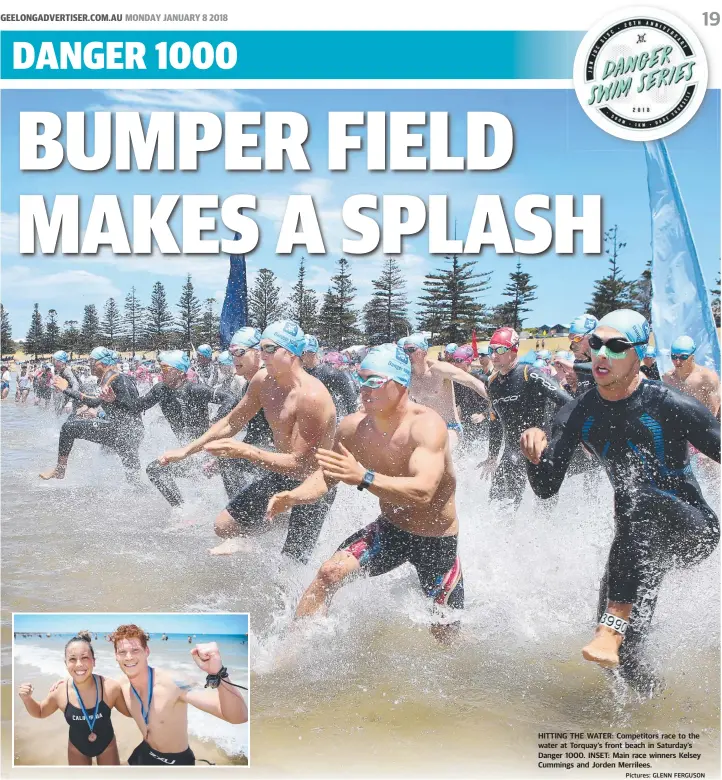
point(139, 689)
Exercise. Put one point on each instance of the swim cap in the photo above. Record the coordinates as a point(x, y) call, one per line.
point(506, 337)
point(583, 324)
point(483, 351)
point(544, 354)
point(61, 356)
point(683, 345)
point(105, 356)
point(225, 359)
point(248, 338)
point(334, 359)
point(175, 358)
point(650, 352)
point(632, 325)
point(287, 334)
point(464, 353)
point(388, 360)
point(564, 354)
point(414, 340)
point(451, 348)
point(310, 344)
point(205, 351)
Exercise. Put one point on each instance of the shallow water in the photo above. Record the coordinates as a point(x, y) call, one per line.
point(368, 686)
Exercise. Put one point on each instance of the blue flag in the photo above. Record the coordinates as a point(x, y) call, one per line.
point(235, 304)
point(680, 298)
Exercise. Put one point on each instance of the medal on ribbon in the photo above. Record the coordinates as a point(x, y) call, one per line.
point(91, 722)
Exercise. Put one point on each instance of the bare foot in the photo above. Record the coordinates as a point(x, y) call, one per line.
point(604, 648)
point(230, 546)
point(54, 473)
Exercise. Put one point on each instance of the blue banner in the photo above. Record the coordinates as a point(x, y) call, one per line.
point(235, 304)
point(680, 298)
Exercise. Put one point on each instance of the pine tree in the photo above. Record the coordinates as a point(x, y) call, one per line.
point(190, 314)
point(520, 292)
point(52, 332)
point(337, 313)
point(716, 301)
point(611, 292)
point(34, 339)
point(449, 306)
point(387, 313)
point(112, 323)
point(264, 301)
point(640, 292)
point(302, 305)
point(159, 320)
point(210, 324)
point(70, 337)
point(134, 319)
point(7, 345)
point(325, 325)
point(90, 333)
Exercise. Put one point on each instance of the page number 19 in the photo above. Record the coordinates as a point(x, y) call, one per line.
point(711, 19)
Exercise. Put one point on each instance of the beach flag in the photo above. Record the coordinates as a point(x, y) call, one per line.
point(680, 299)
point(235, 304)
point(474, 346)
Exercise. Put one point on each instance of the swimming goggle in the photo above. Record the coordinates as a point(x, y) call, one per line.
point(616, 344)
point(499, 350)
point(271, 349)
point(237, 351)
point(374, 382)
point(576, 339)
point(681, 357)
point(409, 349)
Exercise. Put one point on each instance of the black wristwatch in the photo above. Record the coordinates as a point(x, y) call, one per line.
point(368, 478)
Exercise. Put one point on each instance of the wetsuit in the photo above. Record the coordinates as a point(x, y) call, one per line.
point(60, 400)
point(469, 402)
point(186, 409)
point(80, 730)
point(519, 401)
point(121, 429)
point(651, 372)
point(585, 378)
point(145, 755)
point(208, 375)
point(661, 519)
point(340, 385)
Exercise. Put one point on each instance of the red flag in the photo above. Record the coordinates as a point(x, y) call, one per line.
point(473, 344)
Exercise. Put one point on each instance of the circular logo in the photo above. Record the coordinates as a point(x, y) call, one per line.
point(640, 75)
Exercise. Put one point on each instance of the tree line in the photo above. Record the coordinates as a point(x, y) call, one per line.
point(450, 307)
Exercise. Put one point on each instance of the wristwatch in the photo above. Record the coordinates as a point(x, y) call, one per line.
point(368, 478)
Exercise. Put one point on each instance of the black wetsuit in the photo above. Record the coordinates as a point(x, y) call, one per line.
point(60, 400)
point(585, 378)
point(469, 402)
point(661, 519)
point(519, 401)
point(145, 755)
point(80, 729)
point(341, 387)
point(121, 429)
point(651, 372)
point(186, 409)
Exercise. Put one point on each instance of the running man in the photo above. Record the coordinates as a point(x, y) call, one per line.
point(302, 417)
point(638, 429)
point(338, 383)
point(649, 364)
point(206, 369)
point(121, 428)
point(4, 382)
point(159, 703)
point(407, 464)
point(581, 379)
point(432, 383)
point(23, 388)
point(62, 368)
point(687, 377)
point(519, 395)
point(471, 407)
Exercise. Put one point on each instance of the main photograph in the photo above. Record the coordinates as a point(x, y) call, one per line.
point(425, 381)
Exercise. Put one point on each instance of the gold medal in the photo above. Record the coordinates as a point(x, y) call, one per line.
point(92, 737)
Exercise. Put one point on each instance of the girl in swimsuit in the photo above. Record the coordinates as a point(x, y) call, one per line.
point(86, 700)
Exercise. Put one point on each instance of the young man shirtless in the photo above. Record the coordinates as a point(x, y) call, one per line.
point(302, 417)
point(432, 383)
point(159, 704)
point(687, 377)
point(407, 463)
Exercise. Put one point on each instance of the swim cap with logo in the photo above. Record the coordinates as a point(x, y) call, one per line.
point(415, 340)
point(175, 358)
point(248, 338)
point(310, 344)
point(286, 334)
point(205, 351)
point(683, 345)
point(632, 325)
point(225, 359)
point(505, 337)
point(583, 324)
point(105, 356)
point(388, 360)
point(61, 356)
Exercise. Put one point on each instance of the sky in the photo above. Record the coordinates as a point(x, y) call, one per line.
point(557, 150)
point(63, 623)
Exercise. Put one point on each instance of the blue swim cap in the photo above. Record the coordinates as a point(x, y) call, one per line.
point(287, 334)
point(630, 324)
point(105, 356)
point(564, 354)
point(225, 359)
point(583, 324)
point(388, 360)
point(205, 351)
point(544, 354)
point(416, 340)
point(248, 338)
point(310, 344)
point(451, 348)
point(483, 351)
point(175, 358)
point(650, 352)
point(61, 356)
point(539, 363)
point(683, 345)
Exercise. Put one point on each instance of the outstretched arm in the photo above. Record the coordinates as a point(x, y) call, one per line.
point(457, 375)
point(699, 425)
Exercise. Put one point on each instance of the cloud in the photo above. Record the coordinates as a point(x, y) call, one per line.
point(27, 284)
point(147, 100)
point(9, 233)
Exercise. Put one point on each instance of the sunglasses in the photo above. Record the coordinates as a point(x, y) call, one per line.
point(499, 350)
point(616, 344)
point(681, 357)
point(374, 382)
point(576, 339)
point(270, 349)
